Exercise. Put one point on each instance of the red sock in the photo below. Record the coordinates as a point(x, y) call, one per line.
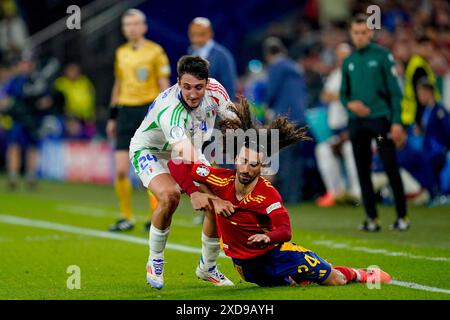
point(348, 273)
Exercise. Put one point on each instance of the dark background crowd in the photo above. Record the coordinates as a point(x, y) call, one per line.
point(57, 82)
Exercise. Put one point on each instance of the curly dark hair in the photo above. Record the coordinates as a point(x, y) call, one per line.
point(288, 132)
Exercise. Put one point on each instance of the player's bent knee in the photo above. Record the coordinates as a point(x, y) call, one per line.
point(169, 198)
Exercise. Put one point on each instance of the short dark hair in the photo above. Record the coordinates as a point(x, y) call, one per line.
point(359, 18)
point(425, 84)
point(424, 39)
point(193, 65)
point(272, 46)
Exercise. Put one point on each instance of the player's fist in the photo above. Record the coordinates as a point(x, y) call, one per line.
point(223, 207)
point(202, 201)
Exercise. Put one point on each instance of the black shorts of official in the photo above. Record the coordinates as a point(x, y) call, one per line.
point(129, 118)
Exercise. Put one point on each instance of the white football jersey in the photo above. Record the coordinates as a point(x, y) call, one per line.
point(169, 121)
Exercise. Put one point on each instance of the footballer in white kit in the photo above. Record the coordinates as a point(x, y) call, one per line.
point(176, 125)
point(170, 120)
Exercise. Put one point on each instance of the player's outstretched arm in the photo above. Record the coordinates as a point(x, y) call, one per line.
point(181, 172)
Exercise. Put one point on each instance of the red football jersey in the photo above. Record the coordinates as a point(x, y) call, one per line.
point(252, 215)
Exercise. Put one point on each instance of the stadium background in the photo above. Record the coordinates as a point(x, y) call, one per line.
point(311, 29)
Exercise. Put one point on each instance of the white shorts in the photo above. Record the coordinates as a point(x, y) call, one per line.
point(148, 165)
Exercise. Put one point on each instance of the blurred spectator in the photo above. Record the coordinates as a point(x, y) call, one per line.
point(312, 70)
point(416, 193)
point(416, 69)
point(5, 120)
point(31, 101)
point(79, 102)
point(435, 126)
point(393, 15)
point(285, 95)
point(13, 31)
point(333, 11)
point(255, 83)
point(330, 153)
point(222, 66)
point(423, 156)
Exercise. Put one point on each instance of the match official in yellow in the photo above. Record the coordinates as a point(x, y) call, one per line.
point(142, 71)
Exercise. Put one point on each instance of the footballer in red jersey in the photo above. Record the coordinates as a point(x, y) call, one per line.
point(253, 212)
point(254, 226)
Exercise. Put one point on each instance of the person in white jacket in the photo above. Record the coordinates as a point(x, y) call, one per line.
point(330, 152)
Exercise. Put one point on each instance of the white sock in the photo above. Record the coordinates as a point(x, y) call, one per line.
point(157, 242)
point(358, 275)
point(210, 251)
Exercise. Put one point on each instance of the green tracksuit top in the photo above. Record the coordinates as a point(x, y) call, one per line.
point(369, 75)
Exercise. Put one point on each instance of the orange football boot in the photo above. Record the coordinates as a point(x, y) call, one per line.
point(372, 275)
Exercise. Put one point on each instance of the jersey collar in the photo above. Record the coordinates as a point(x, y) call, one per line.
point(184, 103)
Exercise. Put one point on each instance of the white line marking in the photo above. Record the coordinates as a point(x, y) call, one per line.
point(102, 213)
point(114, 236)
point(85, 211)
point(90, 232)
point(346, 246)
point(52, 237)
point(413, 285)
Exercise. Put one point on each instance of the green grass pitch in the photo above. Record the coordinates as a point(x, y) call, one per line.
point(43, 232)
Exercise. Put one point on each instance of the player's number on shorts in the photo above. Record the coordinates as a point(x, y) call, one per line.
point(144, 161)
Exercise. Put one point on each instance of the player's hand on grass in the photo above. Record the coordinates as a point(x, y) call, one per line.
point(358, 108)
point(111, 128)
point(223, 207)
point(202, 201)
point(258, 240)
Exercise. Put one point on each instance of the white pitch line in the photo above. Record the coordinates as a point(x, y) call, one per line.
point(90, 232)
point(84, 211)
point(102, 213)
point(114, 236)
point(346, 246)
point(413, 285)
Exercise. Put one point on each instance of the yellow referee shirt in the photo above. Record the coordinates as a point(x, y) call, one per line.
point(138, 71)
